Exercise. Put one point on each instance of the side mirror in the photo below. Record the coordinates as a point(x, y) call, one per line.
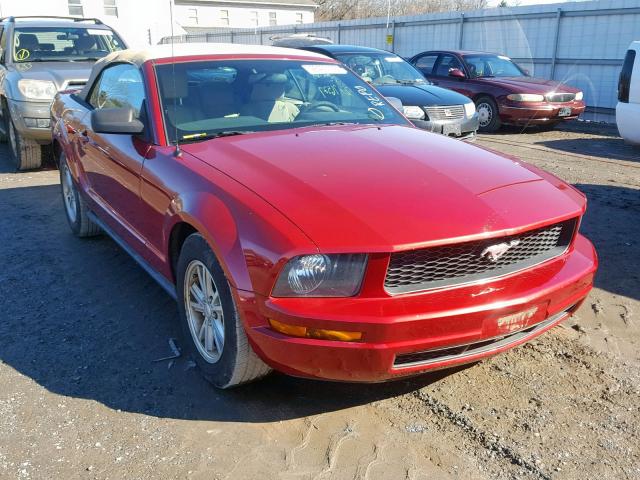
point(457, 73)
point(526, 72)
point(395, 102)
point(116, 120)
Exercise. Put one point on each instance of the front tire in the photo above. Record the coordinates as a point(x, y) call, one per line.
point(26, 153)
point(75, 208)
point(488, 114)
point(212, 329)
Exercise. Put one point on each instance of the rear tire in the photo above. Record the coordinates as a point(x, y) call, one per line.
point(26, 153)
point(75, 208)
point(488, 114)
point(212, 329)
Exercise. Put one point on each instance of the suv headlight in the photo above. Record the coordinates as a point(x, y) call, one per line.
point(525, 97)
point(37, 89)
point(469, 109)
point(320, 275)
point(413, 113)
point(579, 96)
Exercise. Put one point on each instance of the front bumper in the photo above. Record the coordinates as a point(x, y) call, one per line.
point(468, 126)
point(542, 113)
point(32, 110)
point(396, 328)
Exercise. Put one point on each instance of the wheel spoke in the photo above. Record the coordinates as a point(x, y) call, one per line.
point(197, 306)
point(197, 294)
point(208, 281)
point(201, 332)
point(208, 336)
point(218, 335)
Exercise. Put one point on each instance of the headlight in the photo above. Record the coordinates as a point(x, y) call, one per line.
point(469, 109)
point(321, 275)
point(579, 96)
point(525, 97)
point(37, 89)
point(414, 113)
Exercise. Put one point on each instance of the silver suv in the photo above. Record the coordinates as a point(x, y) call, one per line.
point(40, 56)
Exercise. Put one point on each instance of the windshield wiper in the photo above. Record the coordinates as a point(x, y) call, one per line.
point(328, 124)
point(208, 136)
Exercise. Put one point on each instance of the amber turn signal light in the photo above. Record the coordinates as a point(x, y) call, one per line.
point(317, 333)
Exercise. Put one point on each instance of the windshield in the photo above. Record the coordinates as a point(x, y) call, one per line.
point(381, 68)
point(492, 66)
point(201, 99)
point(63, 44)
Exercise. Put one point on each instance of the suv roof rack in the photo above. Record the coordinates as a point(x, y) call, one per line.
point(97, 21)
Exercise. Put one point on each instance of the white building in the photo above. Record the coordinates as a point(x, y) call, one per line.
point(242, 13)
point(144, 22)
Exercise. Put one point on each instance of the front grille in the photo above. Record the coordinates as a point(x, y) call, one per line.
point(561, 97)
point(484, 346)
point(467, 262)
point(452, 112)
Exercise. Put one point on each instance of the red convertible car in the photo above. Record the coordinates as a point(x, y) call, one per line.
point(303, 224)
point(502, 91)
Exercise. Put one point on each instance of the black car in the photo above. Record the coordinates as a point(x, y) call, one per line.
point(427, 106)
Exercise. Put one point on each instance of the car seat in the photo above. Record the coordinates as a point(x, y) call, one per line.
point(179, 106)
point(266, 100)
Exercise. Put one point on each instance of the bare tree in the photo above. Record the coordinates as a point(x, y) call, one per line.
point(350, 9)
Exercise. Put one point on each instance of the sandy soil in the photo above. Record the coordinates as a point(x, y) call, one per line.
point(81, 396)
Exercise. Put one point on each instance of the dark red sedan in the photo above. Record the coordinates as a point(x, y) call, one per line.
point(303, 224)
point(503, 92)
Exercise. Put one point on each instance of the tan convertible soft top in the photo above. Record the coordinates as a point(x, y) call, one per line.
point(139, 56)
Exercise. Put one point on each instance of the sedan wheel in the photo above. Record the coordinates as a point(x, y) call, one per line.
point(68, 193)
point(488, 115)
point(213, 333)
point(204, 311)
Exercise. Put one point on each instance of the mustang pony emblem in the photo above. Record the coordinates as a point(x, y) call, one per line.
point(494, 252)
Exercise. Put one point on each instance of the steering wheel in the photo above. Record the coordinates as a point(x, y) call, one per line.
point(322, 105)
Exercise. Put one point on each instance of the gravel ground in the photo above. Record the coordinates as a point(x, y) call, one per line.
point(81, 396)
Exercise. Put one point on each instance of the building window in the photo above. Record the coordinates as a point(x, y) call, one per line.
point(192, 15)
point(224, 17)
point(254, 19)
point(75, 8)
point(298, 18)
point(110, 8)
point(273, 18)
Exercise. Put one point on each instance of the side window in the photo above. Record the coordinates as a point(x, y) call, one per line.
point(425, 63)
point(3, 43)
point(446, 63)
point(118, 86)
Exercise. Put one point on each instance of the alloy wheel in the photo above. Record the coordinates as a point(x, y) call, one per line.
point(485, 114)
point(69, 194)
point(204, 311)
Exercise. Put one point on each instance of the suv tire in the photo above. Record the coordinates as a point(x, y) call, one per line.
point(213, 333)
point(26, 153)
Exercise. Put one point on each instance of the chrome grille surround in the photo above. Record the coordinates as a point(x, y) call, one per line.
point(456, 264)
point(448, 112)
point(560, 97)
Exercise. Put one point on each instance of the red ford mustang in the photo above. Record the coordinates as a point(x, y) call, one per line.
point(304, 225)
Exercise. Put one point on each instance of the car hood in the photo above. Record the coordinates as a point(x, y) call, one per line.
point(529, 85)
point(60, 73)
point(388, 188)
point(422, 95)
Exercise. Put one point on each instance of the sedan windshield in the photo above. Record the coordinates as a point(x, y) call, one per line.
point(63, 44)
point(482, 66)
point(218, 98)
point(381, 68)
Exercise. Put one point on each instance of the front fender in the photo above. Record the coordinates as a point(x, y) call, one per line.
point(249, 237)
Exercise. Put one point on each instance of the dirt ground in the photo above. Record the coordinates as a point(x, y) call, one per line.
point(81, 396)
